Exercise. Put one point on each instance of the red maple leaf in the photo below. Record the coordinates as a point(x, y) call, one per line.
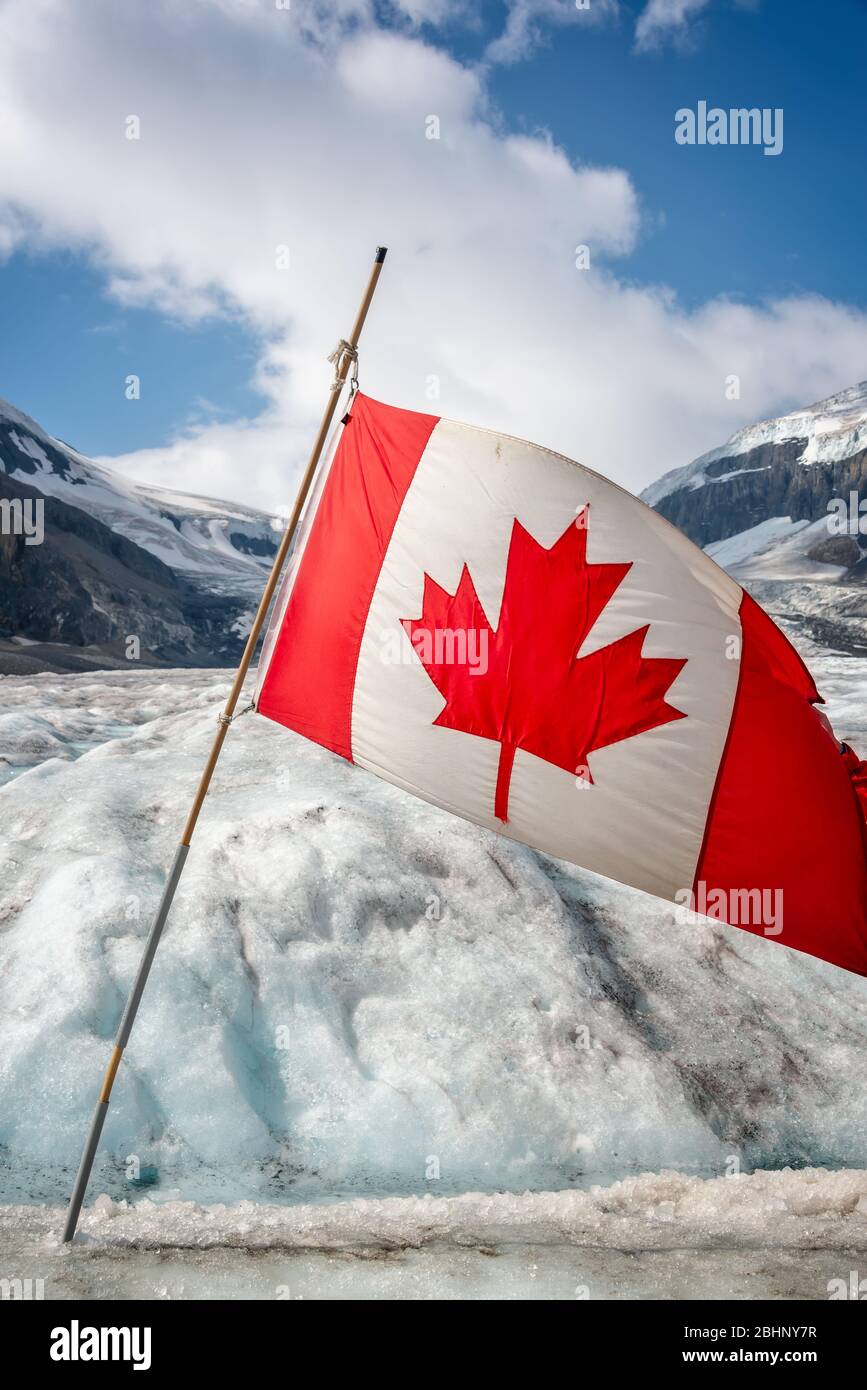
point(524, 684)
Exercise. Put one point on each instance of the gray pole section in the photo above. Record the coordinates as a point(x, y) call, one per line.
point(344, 356)
point(121, 1041)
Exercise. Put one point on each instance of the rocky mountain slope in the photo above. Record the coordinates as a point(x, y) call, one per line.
point(788, 466)
point(119, 560)
point(774, 505)
point(78, 598)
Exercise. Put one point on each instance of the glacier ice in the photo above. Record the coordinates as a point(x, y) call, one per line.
point(359, 996)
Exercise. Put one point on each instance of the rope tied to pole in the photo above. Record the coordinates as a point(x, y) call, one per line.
point(228, 719)
point(344, 353)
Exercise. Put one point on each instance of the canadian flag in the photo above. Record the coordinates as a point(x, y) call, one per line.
point(512, 637)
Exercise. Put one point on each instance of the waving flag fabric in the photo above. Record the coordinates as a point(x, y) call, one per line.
point(514, 638)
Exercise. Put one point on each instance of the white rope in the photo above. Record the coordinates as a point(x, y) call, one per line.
point(341, 353)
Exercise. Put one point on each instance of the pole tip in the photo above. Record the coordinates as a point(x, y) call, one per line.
point(381, 253)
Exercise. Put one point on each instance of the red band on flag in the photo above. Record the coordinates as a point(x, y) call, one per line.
point(311, 676)
point(784, 816)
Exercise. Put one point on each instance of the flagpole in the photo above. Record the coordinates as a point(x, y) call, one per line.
point(345, 354)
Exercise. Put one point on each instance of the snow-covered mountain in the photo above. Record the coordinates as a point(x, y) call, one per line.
point(773, 506)
point(196, 535)
point(120, 560)
point(831, 432)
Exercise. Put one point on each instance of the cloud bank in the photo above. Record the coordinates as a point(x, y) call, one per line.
point(265, 139)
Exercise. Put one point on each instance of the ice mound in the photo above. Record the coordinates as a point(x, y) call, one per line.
point(358, 995)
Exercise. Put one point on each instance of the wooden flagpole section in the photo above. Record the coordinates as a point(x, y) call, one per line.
point(344, 356)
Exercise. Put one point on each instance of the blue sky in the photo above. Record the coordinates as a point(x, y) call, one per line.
point(88, 300)
point(71, 348)
point(752, 226)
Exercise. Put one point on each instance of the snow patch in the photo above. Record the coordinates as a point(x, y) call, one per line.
point(776, 549)
point(793, 1209)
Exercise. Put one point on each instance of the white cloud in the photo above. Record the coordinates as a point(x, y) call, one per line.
point(253, 136)
point(665, 20)
point(526, 19)
point(436, 12)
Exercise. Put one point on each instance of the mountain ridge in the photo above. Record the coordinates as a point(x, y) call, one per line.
point(766, 505)
point(189, 531)
point(829, 431)
point(181, 573)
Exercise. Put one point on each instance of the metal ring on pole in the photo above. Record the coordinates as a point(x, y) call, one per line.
point(228, 719)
